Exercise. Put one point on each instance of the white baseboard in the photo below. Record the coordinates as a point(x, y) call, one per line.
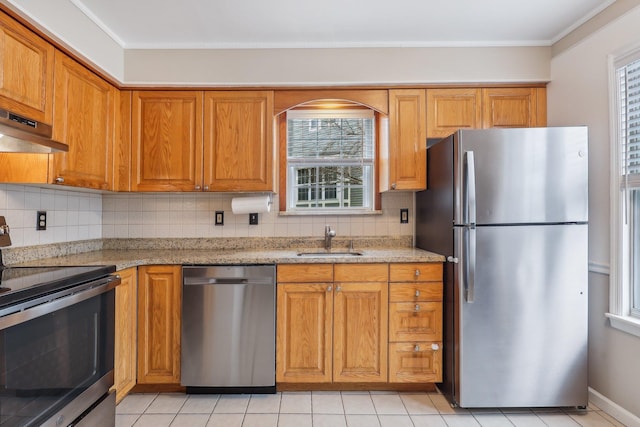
point(613, 409)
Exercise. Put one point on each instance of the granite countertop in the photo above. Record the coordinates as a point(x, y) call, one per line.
point(134, 257)
point(125, 253)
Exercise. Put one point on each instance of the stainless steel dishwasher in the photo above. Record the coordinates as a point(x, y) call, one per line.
point(228, 329)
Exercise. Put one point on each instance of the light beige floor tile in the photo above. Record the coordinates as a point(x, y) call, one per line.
point(362, 421)
point(428, 421)
point(295, 403)
point(190, 420)
point(324, 420)
point(199, 404)
point(225, 420)
point(327, 403)
point(232, 404)
point(388, 404)
point(557, 420)
point(395, 420)
point(154, 420)
point(295, 420)
point(260, 420)
point(264, 404)
point(358, 404)
point(418, 404)
point(167, 403)
point(460, 421)
point(126, 420)
point(611, 419)
point(444, 407)
point(492, 420)
point(528, 419)
point(591, 419)
point(135, 403)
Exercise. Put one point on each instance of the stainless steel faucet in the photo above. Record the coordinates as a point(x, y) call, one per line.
point(328, 235)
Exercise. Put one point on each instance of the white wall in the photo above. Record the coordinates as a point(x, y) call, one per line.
point(579, 94)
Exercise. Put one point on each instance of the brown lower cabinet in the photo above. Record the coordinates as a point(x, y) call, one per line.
point(159, 317)
point(125, 333)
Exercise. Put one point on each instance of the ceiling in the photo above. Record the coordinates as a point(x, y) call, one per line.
point(171, 24)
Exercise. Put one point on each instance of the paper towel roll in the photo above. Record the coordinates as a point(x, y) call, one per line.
point(245, 205)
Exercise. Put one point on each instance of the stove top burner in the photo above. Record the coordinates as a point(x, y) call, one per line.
point(21, 283)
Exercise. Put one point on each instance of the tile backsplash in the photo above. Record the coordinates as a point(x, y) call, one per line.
point(77, 215)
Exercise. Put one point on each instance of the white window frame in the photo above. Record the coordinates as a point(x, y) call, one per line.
point(369, 172)
point(620, 287)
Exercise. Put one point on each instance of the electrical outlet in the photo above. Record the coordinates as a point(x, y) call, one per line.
point(253, 219)
point(219, 218)
point(41, 220)
point(404, 216)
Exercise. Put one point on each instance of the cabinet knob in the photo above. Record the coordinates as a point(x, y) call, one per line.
point(197, 187)
point(393, 185)
point(417, 293)
point(417, 272)
point(417, 307)
point(206, 188)
point(329, 288)
point(416, 348)
point(59, 180)
point(435, 347)
point(338, 288)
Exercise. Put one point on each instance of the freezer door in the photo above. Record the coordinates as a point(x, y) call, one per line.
point(522, 340)
point(532, 175)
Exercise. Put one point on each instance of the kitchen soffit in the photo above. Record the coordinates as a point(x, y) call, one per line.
point(149, 24)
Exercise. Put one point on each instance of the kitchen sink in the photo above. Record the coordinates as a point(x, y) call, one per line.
point(329, 254)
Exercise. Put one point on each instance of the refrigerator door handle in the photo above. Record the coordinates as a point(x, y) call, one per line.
point(470, 265)
point(470, 187)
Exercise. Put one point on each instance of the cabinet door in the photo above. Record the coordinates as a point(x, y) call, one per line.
point(26, 71)
point(166, 146)
point(407, 149)
point(451, 109)
point(303, 338)
point(360, 332)
point(159, 302)
point(84, 119)
point(513, 107)
point(24, 168)
point(238, 141)
point(125, 332)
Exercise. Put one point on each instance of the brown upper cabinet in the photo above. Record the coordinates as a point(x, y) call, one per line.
point(26, 71)
point(171, 153)
point(474, 108)
point(84, 118)
point(403, 157)
point(238, 141)
point(166, 141)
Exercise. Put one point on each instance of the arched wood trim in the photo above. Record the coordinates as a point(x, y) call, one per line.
point(376, 99)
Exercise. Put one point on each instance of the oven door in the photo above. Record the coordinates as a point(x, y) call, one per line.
point(57, 356)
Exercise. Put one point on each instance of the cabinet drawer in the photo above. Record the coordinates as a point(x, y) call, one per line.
point(421, 321)
point(415, 272)
point(415, 362)
point(305, 273)
point(361, 272)
point(419, 291)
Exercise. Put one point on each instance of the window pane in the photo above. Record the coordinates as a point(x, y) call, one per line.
point(635, 250)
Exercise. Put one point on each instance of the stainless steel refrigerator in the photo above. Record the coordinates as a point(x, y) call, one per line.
point(508, 209)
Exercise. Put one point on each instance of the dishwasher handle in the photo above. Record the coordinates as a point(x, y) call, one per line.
point(199, 281)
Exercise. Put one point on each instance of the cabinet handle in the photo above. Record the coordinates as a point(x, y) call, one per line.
point(417, 272)
point(417, 308)
point(435, 347)
point(416, 348)
point(329, 288)
point(417, 293)
point(59, 180)
point(393, 185)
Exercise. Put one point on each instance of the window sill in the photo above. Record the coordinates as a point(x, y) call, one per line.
point(628, 324)
point(329, 212)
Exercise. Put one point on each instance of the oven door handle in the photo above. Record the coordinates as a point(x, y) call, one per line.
point(59, 300)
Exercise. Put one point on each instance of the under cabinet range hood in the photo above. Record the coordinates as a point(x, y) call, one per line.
point(19, 134)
